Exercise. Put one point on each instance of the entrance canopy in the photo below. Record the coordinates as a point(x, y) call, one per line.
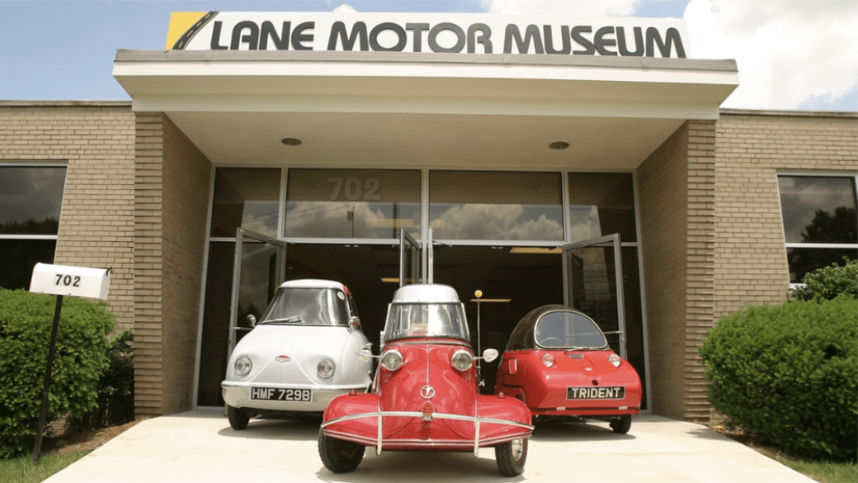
point(376, 108)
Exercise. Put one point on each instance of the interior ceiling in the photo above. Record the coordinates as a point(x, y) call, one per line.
point(415, 140)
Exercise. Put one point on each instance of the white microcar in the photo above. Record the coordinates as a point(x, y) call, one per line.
point(301, 354)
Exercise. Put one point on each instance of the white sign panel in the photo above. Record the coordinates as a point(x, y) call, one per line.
point(91, 283)
point(428, 33)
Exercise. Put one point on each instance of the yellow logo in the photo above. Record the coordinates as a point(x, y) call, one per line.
point(183, 27)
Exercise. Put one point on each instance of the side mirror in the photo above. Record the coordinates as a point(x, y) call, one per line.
point(251, 319)
point(354, 323)
point(490, 355)
point(364, 355)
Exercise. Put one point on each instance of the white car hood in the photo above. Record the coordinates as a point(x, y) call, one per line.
point(305, 347)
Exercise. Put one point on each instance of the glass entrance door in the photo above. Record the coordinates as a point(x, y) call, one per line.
point(593, 284)
point(260, 264)
point(409, 259)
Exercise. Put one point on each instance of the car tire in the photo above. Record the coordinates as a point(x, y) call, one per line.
point(511, 456)
point(622, 425)
point(340, 456)
point(238, 418)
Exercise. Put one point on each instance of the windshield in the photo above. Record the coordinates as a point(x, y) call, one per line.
point(426, 320)
point(308, 306)
point(568, 330)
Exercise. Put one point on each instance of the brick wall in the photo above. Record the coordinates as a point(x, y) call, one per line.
point(96, 141)
point(171, 202)
point(676, 189)
point(662, 197)
point(752, 147)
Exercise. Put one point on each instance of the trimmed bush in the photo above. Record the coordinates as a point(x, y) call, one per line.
point(830, 282)
point(789, 375)
point(115, 389)
point(26, 320)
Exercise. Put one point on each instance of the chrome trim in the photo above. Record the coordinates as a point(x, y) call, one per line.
point(416, 414)
point(413, 414)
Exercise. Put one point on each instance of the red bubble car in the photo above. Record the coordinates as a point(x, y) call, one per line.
point(559, 363)
point(424, 395)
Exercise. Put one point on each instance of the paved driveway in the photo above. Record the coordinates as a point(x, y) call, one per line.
point(200, 446)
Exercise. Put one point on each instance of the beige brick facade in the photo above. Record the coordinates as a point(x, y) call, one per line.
point(752, 148)
point(172, 181)
point(137, 198)
point(676, 194)
point(96, 141)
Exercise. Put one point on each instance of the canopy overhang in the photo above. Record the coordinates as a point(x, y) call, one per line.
point(380, 109)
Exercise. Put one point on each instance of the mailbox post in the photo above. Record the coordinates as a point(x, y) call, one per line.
point(63, 280)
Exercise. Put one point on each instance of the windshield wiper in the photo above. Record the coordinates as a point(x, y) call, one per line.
point(283, 320)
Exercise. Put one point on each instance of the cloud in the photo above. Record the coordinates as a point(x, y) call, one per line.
point(580, 9)
point(345, 8)
point(789, 52)
point(494, 222)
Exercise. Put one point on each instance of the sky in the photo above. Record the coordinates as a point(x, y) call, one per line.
point(791, 54)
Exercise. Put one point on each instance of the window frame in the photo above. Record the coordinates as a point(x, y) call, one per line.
point(793, 245)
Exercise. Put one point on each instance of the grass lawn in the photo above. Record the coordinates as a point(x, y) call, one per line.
point(23, 470)
point(824, 471)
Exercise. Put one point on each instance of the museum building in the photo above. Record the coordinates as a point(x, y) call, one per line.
point(536, 160)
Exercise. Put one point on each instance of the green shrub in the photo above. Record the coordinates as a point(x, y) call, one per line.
point(830, 282)
point(789, 375)
point(115, 404)
point(26, 321)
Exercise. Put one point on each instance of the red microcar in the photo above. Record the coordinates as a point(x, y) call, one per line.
point(424, 395)
point(559, 363)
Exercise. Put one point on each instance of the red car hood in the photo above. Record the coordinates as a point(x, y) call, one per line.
point(427, 384)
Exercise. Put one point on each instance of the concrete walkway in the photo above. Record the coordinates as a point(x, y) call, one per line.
point(200, 446)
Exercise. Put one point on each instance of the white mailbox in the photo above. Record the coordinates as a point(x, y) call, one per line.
point(91, 283)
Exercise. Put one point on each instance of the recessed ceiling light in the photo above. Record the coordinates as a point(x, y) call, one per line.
point(291, 141)
point(559, 145)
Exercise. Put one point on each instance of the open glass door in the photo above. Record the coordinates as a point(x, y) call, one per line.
point(260, 267)
point(593, 284)
point(409, 259)
point(428, 260)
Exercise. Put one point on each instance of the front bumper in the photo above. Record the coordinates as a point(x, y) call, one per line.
point(237, 394)
point(514, 430)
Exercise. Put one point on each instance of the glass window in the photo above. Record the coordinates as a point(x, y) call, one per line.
point(475, 205)
point(327, 203)
point(18, 257)
point(31, 199)
point(601, 204)
point(248, 198)
point(818, 211)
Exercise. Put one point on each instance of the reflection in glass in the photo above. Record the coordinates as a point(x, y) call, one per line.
point(819, 209)
point(248, 198)
point(805, 260)
point(474, 205)
point(214, 350)
point(601, 204)
point(31, 199)
point(18, 257)
point(352, 203)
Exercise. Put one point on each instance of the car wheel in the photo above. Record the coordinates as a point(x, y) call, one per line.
point(339, 456)
point(622, 425)
point(511, 456)
point(238, 418)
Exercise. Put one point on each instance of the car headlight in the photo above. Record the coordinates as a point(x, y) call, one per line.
point(548, 360)
point(462, 360)
point(243, 366)
point(391, 360)
point(615, 360)
point(326, 368)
